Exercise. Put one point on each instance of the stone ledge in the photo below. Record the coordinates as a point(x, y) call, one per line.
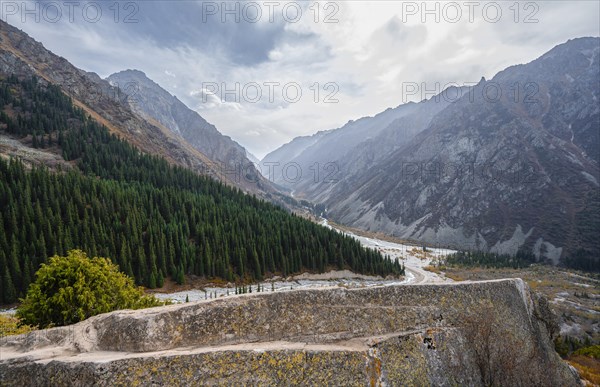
point(421, 334)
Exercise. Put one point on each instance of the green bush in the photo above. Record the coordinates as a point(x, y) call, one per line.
point(72, 288)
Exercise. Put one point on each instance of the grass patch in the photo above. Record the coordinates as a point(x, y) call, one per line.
point(455, 276)
point(420, 253)
point(11, 325)
point(588, 368)
point(433, 269)
point(592, 351)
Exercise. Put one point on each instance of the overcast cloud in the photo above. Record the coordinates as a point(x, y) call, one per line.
point(360, 59)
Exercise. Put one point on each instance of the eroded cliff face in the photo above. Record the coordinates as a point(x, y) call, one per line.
point(457, 334)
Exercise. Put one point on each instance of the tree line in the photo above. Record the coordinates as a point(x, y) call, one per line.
point(153, 219)
point(523, 258)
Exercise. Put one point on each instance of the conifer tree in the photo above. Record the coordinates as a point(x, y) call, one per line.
point(9, 292)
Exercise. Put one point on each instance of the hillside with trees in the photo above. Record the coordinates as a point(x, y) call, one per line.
point(153, 219)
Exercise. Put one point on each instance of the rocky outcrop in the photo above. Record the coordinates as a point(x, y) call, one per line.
point(493, 332)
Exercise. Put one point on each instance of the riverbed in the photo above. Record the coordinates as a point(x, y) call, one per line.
point(414, 258)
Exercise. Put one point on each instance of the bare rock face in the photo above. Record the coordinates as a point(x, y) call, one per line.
point(473, 334)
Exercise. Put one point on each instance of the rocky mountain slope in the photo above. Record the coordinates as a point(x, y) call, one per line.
point(498, 172)
point(471, 334)
point(22, 56)
point(338, 153)
point(252, 158)
point(272, 163)
point(153, 102)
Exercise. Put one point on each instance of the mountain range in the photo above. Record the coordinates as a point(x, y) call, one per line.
point(510, 163)
point(152, 102)
point(506, 165)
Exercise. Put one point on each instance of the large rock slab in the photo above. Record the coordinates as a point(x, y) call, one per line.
point(480, 333)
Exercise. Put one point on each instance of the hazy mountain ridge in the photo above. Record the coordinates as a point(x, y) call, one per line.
point(288, 152)
point(327, 147)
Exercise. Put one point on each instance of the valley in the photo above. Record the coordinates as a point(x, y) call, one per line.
point(473, 173)
point(413, 261)
point(380, 238)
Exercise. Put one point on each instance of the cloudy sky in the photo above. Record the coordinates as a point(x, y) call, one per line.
point(266, 72)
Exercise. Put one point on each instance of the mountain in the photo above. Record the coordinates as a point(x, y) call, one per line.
point(488, 172)
point(22, 56)
point(284, 154)
point(152, 102)
point(329, 156)
point(252, 158)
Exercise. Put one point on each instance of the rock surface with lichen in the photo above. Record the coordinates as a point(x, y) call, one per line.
point(480, 333)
